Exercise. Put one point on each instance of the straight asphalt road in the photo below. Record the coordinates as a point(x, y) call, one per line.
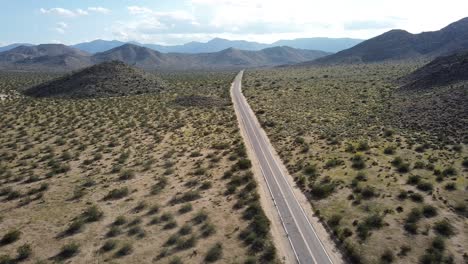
point(304, 241)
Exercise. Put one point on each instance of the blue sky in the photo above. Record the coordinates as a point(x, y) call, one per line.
point(181, 21)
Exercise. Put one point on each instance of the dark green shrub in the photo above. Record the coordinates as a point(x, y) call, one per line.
point(362, 146)
point(214, 253)
point(126, 249)
point(333, 163)
point(24, 252)
point(200, 217)
point(244, 164)
point(75, 226)
point(310, 170)
point(429, 211)
point(109, 245)
point(126, 175)
point(5, 259)
point(10, 237)
point(444, 228)
point(416, 197)
point(413, 179)
point(117, 194)
point(451, 186)
point(186, 208)
point(92, 214)
point(120, 220)
point(425, 186)
point(69, 250)
point(358, 162)
point(207, 230)
point(322, 190)
point(186, 243)
point(387, 256)
point(389, 150)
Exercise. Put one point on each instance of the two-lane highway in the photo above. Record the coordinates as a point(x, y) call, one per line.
point(303, 239)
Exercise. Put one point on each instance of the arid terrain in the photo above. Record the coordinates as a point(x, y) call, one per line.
point(151, 178)
point(389, 186)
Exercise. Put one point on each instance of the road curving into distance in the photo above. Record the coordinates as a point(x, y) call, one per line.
point(303, 239)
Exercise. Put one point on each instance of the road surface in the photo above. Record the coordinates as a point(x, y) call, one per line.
point(304, 241)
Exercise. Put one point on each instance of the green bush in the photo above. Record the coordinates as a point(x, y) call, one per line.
point(429, 211)
point(387, 256)
point(69, 250)
point(117, 194)
point(358, 162)
point(125, 249)
point(186, 208)
point(10, 237)
point(322, 190)
point(310, 170)
point(425, 186)
point(109, 245)
point(214, 253)
point(444, 228)
point(126, 175)
point(244, 164)
point(92, 214)
point(24, 252)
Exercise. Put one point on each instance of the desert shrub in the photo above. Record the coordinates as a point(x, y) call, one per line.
point(465, 162)
point(126, 175)
point(373, 221)
point(322, 190)
point(200, 217)
point(120, 220)
point(425, 186)
point(170, 224)
point(69, 250)
point(358, 162)
point(92, 214)
point(75, 226)
point(124, 250)
point(206, 185)
point(387, 256)
point(185, 229)
point(334, 220)
point(167, 217)
point(175, 260)
point(117, 194)
point(450, 171)
point(10, 237)
point(244, 164)
point(368, 192)
point(411, 221)
point(154, 209)
point(413, 179)
point(5, 259)
point(207, 230)
point(113, 231)
point(186, 243)
point(389, 150)
point(159, 186)
point(310, 170)
point(24, 252)
point(186, 208)
point(361, 176)
point(444, 228)
point(362, 146)
point(333, 163)
point(416, 197)
point(109, 245)
point(429, 211)
point(451, 186)
point(214, 253)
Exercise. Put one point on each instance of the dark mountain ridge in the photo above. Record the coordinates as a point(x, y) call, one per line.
point(400, 45)
point(63, 58)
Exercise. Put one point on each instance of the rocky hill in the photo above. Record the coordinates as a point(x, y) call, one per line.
point(103, 80)
point(441, 71)
point(400, 44)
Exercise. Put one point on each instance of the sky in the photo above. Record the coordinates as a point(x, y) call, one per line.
point(172, 22)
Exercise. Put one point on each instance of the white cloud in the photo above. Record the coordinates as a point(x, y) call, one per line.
point(74, 13)
point(99, 9)
point(270, 20)
point(61, 27)
point(59, 11)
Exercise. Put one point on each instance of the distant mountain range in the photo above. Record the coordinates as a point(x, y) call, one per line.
point(325, 44)
point(58, 57)
point(400, 44)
